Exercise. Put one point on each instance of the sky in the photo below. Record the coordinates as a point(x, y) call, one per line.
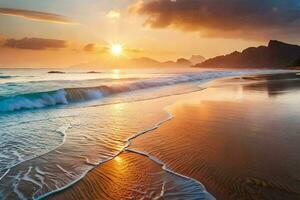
point(61, 33)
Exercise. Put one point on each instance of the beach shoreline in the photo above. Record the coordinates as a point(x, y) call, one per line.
point(90, 179)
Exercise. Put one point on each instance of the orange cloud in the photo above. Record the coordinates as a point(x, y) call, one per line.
point(92, 47)
point(36, 16)
point(34, 43)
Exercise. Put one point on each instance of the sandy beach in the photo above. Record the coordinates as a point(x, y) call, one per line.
point(238, 137)
point(149, 100)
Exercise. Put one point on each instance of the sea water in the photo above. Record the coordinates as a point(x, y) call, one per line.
point(55, 127)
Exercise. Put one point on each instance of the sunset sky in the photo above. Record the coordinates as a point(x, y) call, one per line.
point(58, 33)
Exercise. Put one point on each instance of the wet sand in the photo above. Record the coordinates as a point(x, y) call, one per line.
point(239, 137)
point(133, 176)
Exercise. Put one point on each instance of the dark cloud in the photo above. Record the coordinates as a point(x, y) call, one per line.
point(223, 18)
point(35, 15)
point(34, 43)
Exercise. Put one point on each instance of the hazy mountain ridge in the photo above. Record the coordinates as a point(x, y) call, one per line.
point(142, 62)
point(149, 62)
point(196, 59)
point(276, 55)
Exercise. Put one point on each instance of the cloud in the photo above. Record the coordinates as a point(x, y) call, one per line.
point(113, 14)
point(36, 16)
point(89, 47)
point(92, 47)
point(223, 18)
point(34, 43)
point(134, 50)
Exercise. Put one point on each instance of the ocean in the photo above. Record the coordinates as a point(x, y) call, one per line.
point(55, 127)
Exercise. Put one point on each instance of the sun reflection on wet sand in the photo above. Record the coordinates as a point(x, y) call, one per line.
point(119, 159)
point(236, 143)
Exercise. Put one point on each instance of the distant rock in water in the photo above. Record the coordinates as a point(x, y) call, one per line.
point(276, 55)
point(56, 72)
point(93, 72)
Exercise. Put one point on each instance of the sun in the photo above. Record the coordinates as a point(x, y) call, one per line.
point(116, 49)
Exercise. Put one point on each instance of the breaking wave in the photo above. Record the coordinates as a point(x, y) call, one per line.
point(81, 94)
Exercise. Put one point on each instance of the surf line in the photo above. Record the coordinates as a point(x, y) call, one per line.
point(161, 163)
point(4, 174)
point(126, 148)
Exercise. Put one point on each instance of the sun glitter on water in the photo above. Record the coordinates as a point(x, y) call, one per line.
point(116, 49)
point(116, 73)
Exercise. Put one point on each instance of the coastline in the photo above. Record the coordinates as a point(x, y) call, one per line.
point(187, 187)
point(91, 179)
point(89, 143)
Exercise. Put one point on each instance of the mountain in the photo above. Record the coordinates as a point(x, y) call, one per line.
point(196, 59)
point(296, 63)
point(277, 54)
point(183, 62)
point(149, 62)
point(143, 62)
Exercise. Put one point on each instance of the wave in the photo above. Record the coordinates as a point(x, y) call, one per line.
point(62, 72)
point(72, 81)
point(6, 76)
point(34, 100)
point(81, 94)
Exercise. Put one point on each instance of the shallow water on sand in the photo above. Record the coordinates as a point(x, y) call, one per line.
point(133, 176)
point(90, 139)
point(240, 138)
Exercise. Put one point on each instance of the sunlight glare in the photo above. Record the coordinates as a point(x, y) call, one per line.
point(116, 49)
point(116, 73)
